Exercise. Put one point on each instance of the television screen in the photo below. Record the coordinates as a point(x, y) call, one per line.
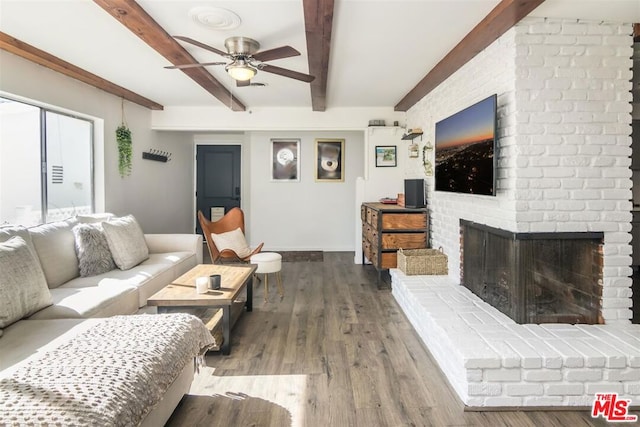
point(465, 144)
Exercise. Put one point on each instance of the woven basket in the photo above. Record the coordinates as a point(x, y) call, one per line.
point(422, 261)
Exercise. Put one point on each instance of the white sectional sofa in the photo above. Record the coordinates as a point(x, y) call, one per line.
point(75, 299)
point(114, 292)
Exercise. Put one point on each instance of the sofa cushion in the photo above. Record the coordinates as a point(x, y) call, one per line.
point(56, 248)
point(233, 240)
point(25, 338)
point(97, 301)
point(148, 277)
point(94, 256)
point(22, 283)
point(126, 241)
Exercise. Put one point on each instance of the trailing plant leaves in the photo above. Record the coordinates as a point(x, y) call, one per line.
point(125, 150)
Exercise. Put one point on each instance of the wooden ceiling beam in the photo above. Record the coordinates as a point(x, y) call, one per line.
point(318, 22)
point(40, 57)
point(504, 16)
point(139, 22)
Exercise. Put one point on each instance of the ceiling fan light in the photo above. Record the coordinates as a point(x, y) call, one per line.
point(241, 72)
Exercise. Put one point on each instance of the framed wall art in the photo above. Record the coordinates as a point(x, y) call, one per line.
point(285, 160)
point(386, 156)
point(330, 160)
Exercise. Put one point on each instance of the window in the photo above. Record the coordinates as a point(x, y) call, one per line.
point(45, 164)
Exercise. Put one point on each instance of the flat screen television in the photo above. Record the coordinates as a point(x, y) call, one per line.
point(465, 147)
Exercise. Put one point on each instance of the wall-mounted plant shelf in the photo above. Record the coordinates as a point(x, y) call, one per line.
point(411, 136)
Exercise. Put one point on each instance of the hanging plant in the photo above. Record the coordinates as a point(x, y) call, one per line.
point(123, 136)
point(125, 148)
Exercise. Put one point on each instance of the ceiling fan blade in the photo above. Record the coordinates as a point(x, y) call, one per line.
point(243, 83)
point(202, 45)
point(203, 64)
point(277, 53)
point(287, 73)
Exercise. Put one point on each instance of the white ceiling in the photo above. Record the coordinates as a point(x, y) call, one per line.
point(379, 49)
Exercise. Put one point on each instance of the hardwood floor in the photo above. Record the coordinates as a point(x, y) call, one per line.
point(336, 351)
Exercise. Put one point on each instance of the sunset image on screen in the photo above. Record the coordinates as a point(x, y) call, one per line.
point(464, 150)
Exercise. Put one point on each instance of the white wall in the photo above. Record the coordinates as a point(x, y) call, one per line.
point(385, 181)
point(574, 145)
point(304, 215)
point(563, 147)
point(158, 194)
point(490, 72)
point(207, 118)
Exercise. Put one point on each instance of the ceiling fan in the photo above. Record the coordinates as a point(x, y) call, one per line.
point(246, 59)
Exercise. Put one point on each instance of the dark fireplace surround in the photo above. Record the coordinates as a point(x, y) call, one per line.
point(534, 277)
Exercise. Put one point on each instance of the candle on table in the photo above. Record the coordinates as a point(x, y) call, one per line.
point(202, 285)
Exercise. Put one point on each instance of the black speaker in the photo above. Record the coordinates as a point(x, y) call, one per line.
point(414, 193)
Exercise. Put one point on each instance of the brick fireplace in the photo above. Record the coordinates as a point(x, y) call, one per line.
point(563, 144)
point(534, 277)
point(563, 166)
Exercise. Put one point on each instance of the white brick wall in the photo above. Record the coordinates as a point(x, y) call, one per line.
point(564, 117)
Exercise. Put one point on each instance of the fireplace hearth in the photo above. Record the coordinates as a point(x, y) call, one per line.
point(534, 277)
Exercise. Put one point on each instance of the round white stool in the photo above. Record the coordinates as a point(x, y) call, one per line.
point(269, 262)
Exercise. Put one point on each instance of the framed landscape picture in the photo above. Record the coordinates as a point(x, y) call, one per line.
point(330, 160)
point(386, 156)
point(285, 160)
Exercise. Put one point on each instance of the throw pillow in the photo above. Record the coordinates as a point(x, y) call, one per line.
point(95, 217)
point(9, 231)
point(22, 283)
point(233, 240)
point(56, 248)
point(94, 256)
point(126, 241)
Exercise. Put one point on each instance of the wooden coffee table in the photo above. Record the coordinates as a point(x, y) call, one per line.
point(215, 307)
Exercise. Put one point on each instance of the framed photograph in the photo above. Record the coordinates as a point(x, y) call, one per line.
point(285, 160)
point(330, 160)
point(386, 156)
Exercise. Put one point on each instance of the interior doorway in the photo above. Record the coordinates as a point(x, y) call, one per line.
point(218, 180)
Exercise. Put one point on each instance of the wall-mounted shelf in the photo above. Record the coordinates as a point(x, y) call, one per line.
point(156, 155)
point(411, 136)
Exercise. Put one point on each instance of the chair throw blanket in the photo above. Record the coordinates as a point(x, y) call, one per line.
point(112, 374)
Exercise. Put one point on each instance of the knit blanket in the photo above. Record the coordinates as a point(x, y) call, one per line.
point(112, 374)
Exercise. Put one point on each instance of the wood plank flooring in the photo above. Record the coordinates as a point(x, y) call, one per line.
point(336, 351)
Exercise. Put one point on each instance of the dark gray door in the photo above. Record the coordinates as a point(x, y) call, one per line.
point(217, 178)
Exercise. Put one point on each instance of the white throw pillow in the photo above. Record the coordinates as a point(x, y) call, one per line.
point(22, 283)
point(233, 240)
point(56, 248)
point(9, 231)
point(95, 217)
point(126, 241)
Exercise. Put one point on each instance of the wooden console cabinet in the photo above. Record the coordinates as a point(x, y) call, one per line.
point(387, 228)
